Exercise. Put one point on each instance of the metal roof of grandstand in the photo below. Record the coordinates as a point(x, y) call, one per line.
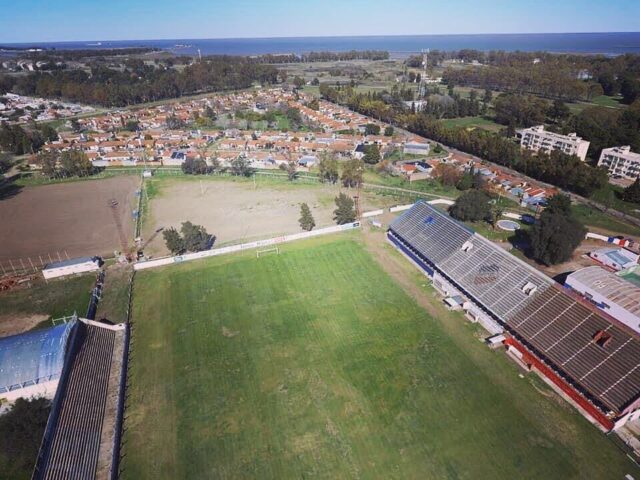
point(599, 358)
point(611, 286)
point(492, 276)
point(596, 355)
point(431, 231)
point(33, 357)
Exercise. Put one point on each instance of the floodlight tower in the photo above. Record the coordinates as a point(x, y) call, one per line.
point(422, 90)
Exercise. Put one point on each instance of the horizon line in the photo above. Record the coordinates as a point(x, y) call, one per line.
point(33, 42)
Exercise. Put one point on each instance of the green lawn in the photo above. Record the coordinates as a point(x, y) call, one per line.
point(595, 218)
point(56, 298)
point(315, 364)
point(473, 122)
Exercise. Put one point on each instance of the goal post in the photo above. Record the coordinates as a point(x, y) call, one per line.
point(268, 250)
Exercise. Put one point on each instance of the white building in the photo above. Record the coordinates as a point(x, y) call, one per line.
point(70, 267)
point(621, 162)
point(415, 148)
point(612, 294)
point(615, 258)
point(536, 139)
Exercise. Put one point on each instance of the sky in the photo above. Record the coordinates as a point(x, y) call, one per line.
point(69, 20)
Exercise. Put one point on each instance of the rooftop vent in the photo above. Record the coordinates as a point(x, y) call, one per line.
point(529, 288)
point(467, 246)
point(602, 338)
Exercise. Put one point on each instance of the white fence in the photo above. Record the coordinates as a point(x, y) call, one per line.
point(243, 246)
point(400, 208)
point(372, 213)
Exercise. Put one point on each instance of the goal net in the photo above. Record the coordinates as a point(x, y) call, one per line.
point(275, 250)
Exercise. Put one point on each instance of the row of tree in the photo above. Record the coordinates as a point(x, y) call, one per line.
point(20, 140)
point(140, 83)
point(190, 238)
point(69, 163)
point(323, 56)
point(565, 171)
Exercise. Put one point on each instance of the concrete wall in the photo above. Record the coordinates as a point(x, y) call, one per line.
point(45, 389)
point(243, 246)
point(70, 270)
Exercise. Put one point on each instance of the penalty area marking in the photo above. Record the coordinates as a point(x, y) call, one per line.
point(268, 250)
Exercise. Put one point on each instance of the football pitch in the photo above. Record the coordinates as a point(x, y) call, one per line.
point(315, 364)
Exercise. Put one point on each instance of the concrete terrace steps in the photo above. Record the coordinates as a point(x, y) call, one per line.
point(76, 441)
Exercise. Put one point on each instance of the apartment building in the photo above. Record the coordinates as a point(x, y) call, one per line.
point(621, 162)
point(536, 138)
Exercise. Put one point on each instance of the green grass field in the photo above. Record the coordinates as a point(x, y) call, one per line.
point(57, 298)
point(315, 364)
point(473, 122)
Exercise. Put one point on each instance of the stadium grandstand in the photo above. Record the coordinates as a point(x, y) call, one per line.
point(82, 436)
point(31, 363)
point(583, 354)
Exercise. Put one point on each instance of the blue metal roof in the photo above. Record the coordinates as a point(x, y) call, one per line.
point(33, 357)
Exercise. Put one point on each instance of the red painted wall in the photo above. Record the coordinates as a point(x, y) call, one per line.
point(531, 359)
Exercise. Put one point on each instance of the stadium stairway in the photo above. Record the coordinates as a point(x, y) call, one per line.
point(82, 428)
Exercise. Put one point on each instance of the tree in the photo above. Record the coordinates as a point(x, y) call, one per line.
point(345, 212)
point(241, 167)
point(559, 111)
point(21, 430)
point(629, 89)
point(306, 219)
point(48, 161)
point(520, 110)
point(195, 237)
point(556, 234)
point(560, 204)
point(372, 154)
point(447, 174)
point(328, 168)
point(388, 131)
point(465, 182)
point(488, 96)
point(6, 161)
point(293, 114)
point(132, 126)
point(291, 168)
point(494, 214)
point(471, 206)
point(352, 172)
point(632, 192)
point(298, 82)
point(75, 163)
point(174, 241)
point(174, 123)
point(372, 129)
point(195, 166)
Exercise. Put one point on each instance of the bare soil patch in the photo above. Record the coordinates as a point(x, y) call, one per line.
point(66, 217)
point(236, 212)
point(15, 324)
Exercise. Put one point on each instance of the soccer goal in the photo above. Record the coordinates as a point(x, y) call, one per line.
point(267, 251)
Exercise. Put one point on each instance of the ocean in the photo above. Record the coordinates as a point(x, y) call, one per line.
point(609, 44)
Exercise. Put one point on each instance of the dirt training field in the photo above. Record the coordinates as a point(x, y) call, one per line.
point(67, 217)
point(236, 212)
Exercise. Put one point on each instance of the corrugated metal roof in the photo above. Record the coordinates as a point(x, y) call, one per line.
point(619, 291)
